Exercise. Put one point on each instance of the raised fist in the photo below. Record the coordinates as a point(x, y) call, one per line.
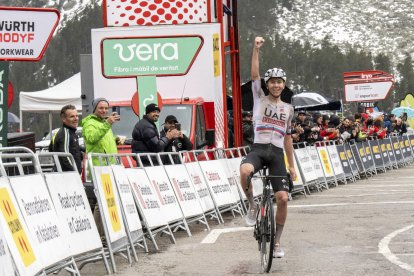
point(258, 42)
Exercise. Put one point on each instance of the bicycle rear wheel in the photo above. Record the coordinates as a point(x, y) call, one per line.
point(267, 231)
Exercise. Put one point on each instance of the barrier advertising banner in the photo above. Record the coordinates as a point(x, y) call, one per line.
point(162, 186)
point(72, 208)
point(326, 164)
point(200, 186)
point(335, 160)
point(344, 160)
point(105, 184)
point(127, 199)
point(22, 246)
point(40, 215)
point(313, 153)
point(218, 183)
point(184, 190)
point(306, 165)
point(6, 261)
point(230, 177)
point(146, 198)
point(234, 166)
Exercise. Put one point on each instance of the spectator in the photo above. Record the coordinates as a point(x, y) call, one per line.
point(248, 130)
point(66, 140)
point(301, 119)
point(97, 129)
point(180, 143)
point(145, 136)
point(378, 130)
point(346, 130)
point(399, 128)
point(388, 120)
point(98, 138)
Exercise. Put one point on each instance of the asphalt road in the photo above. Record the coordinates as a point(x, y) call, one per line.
point(362, 228)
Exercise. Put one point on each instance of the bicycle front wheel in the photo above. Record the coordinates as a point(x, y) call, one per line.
point(267, 225)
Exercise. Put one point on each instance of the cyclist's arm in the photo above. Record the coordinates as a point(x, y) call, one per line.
point(288, 147)
point(258, 42)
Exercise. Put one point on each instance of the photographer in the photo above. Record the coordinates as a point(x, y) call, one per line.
point(180, 142)
point(145, 136)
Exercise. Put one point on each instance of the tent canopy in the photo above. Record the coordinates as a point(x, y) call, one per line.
point(53, 98)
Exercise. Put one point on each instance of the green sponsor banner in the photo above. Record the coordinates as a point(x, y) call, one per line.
point(147, 92)
point(153, 56)
point(4, 79)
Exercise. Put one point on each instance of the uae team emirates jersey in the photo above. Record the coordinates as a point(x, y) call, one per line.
point(271, 121)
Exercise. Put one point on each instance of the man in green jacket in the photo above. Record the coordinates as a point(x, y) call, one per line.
point(97, 129)
point(98, 138)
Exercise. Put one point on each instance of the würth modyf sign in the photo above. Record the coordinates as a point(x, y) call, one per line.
point(26, 32)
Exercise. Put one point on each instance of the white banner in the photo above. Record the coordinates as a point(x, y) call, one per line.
point(6, 261)
point(335, 160)
point(110, 202)
point(127, 199)
point(230, 174)
point(23, 247)
point(73, 210)
point(217, 181)
point(41, 218)
point(200, 186)
point(146, 198)
point(25, 32)
point(161, 184)
point(313, 153)
point(305, 165)
point(234, 164)
point(360, 92)
point(184, 190)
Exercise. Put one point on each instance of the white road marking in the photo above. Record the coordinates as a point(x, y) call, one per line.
point(215, 233)
point(361, 195)
point(385, 250)
point(350, 203)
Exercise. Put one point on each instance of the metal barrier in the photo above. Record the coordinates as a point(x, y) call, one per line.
point(23, 183)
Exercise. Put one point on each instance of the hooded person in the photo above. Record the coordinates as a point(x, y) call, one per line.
point(145, 135)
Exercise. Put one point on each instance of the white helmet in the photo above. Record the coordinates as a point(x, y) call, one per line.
point(275, 73)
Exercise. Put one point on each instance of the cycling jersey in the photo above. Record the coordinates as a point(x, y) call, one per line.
point(271, 121)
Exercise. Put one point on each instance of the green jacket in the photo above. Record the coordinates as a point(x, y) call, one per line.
point(98, 136)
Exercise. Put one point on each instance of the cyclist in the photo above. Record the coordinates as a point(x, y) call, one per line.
point(272, 133)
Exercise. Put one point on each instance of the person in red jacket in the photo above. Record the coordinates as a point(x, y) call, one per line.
point(378, 129)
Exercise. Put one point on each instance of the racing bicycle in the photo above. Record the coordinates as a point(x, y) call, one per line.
point(264, 229)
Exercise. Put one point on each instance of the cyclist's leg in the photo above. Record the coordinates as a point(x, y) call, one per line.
point(251, 163)
point(281, 213)
point(281, 188)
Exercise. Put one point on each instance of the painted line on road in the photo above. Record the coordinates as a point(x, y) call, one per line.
point(361, 195)
point(350, 203)
point(379, 185)
point(385, 250)
point(215, 233)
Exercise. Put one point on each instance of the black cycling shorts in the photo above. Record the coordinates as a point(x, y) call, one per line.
point(272, 157)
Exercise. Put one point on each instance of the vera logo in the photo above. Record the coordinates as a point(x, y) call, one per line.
point(16, 228)
point(145, 52)
point(153, 56)
point(110, 202)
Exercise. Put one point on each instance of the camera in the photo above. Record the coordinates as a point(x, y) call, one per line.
point(178, 126)
point(116, 109)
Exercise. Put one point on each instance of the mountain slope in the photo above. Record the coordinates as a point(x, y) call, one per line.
point(385, 26)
